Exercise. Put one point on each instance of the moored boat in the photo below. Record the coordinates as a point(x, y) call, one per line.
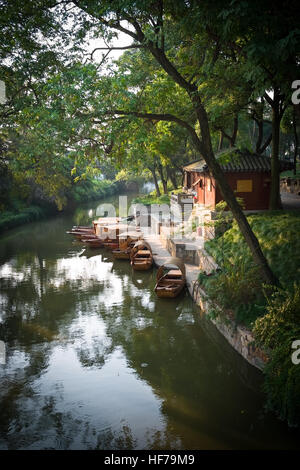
point(93, 242)
point(141, 257)
point(127, 241)
point(111, 245)
point(170, 278)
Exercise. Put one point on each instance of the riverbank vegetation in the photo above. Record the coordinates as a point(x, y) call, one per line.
point(73, 119)
point(25, 202)
point(276, 332)
point(273, 316)
point(238, 285)
point(163, 102)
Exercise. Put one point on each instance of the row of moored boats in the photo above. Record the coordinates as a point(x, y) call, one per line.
point(126, 242)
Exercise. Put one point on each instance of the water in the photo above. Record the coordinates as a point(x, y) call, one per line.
point(95, 361)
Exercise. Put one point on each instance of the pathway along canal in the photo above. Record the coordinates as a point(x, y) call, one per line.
point(95, 360)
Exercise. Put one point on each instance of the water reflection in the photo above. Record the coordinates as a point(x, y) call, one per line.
point(95, 360)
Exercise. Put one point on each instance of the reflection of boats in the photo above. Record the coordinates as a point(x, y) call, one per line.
point(127, 241)
point(170, 278)
point(141, 256)
point(142, 279)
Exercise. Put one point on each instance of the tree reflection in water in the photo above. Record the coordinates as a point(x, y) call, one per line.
point(95, 360)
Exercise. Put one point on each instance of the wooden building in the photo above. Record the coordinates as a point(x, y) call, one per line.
point(249, 176)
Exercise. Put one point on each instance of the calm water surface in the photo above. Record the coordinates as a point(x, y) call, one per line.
point(96, 361)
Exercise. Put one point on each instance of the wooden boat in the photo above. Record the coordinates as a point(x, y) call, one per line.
point(141, 257)
point(170, 278)
point(127, 241)
point(99, 227)
point(80, 231)
point(121, 254)
point(93, 242)
point(111, 245)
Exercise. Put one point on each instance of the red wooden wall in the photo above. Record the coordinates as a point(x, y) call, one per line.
point(209, 194)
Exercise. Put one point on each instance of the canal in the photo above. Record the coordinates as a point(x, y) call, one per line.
point(95, 361)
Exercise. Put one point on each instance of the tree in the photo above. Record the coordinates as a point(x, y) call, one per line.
point(271, 53)
point(151, 26)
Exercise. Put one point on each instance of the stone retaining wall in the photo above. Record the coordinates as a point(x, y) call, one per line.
point(239, 337)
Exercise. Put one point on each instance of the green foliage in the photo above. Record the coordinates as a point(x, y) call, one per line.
point(276, 332)
point(278, 235)
point(290, 173)
point(149, 199)
point(9, 219)
point(237, 288)
point(93, 189)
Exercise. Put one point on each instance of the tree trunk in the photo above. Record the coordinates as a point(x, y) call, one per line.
point(163, 180)
point(228, 194)
point(204, 148)
point(221, 140)
point(296, 140)
point(260, 126)
point(155, 181)
point(275, 201)
point(234, 132)
point(172, 176)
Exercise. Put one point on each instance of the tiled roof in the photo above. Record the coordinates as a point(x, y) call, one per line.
point(239, 161)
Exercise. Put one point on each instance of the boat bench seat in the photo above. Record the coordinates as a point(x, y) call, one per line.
point(174, 273)
point(170, 281)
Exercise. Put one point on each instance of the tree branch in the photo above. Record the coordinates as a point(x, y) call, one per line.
point(156, 117)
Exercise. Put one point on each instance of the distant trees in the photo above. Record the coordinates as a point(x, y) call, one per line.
point(194, 76)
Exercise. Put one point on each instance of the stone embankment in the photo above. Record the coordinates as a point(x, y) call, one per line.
point(239, 337)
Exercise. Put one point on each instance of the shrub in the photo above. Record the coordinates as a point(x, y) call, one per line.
point(10, 219)
point(151, 198)
point(91, 189)
point(278, 235)
point(238, 288)
point(276, 331)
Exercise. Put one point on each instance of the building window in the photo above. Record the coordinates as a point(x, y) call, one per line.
point(244, 186)
point(201, 183)
point(209, 185)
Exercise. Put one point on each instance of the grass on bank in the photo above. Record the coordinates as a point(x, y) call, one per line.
point(151, 198)
point(237, 285)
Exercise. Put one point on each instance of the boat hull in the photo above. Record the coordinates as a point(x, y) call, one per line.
point(170, 293)
point(119, 254)
point(144, 266)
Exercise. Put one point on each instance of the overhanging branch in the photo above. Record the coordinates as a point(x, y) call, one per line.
point(156, 117)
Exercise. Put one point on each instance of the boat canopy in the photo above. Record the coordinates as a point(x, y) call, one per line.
point(169, 264)
point(140, 245)
point(106, 220)
point(132, 234)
